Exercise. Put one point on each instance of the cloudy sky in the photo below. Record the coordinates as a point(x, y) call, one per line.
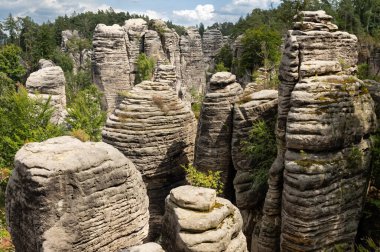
point(184, 12)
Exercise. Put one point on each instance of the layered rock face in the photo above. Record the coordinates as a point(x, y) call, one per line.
point(156, 131)
point(192, 64)
point(252, 108)
point(134, 36)
point(147, 247)
point(196, 220)
point(166, 73)
point(66, 195)
point(325, 115)
point(213, 41)
point(111, 62)
point(213, 143)
point(49, 83)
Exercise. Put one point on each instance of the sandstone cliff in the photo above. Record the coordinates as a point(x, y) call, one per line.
point(325, 115)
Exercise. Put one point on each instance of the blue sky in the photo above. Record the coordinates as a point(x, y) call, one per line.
point(184, 12)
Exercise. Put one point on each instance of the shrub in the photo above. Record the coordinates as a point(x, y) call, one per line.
point(224, 57)
point(23, 120)
point(196, 104)
point(75, 83)
point(84, 113)
point(209, 180)
point(80, 134)
point(63, 60)
point(261, 147)
point(10, 62)
point(363, 71)
point(6, 84)
point(221, 68)
point(145, 67)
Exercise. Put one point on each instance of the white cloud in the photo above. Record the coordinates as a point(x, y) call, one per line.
point(240, 7)
point(201, 13)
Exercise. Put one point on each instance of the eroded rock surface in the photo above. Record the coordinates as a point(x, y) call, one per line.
point(213, 41)
point(252, 108)
point(155, 129)
point(192, 227)
point(49, 83)
point(66, 195)
point(213, 143)
point(111, 63)
point(192, 65)
point(147, 247)
point(325, 115)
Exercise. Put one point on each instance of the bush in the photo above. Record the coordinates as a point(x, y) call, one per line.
point(209, 180)
point(23, 120)
point(145, 67)
point(224, 57)
point(75, 83)
point(84, 113)
point(6, 84)
point(10, 62)
point(63, 60)
point(196, 104)
point(261, 147)
point(221, 68)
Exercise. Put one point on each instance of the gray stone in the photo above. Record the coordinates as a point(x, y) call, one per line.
point(66, 195)
point(155, 129)
point(216, 230)
point(213, 143)
point(111, 63)
point(49, 83)
point(212, 43)
point(195, 198)
point(325, 115)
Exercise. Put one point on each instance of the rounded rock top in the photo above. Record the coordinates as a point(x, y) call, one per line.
point(194, 198)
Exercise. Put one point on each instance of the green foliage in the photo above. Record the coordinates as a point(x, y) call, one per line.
point(224, 57)
point(23, 120)
point(84, 113)
point(10, 62)
point(261, 48)
point(201, 29)
point(209, 180)
point(76, 45)
point(179, 29)
point(261, 147)
point(145, 67)
point(63, 60)
point(76, 82)
point(6, 84)
point(196, 103)
point(221, 68)
point(363, 71)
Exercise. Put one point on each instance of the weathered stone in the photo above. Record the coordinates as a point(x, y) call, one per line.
point(195, 198)
point(154, 128)
point(111, 63)
point(216, 230)
point(325, 115)
point(147, 247)
point(66, 195)
point(153, 47)
point(213, 143)
point(49, 83)
point(212, 43)
point(166, 73)
point(192, 64)
point(134, 36)
point(252, 108)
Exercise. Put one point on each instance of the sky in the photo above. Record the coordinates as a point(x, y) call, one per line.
point(182, 12)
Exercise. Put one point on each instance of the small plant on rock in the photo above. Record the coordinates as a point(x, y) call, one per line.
point(210, 179)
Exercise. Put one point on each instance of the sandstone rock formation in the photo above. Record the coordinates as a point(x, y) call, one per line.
point(196, 220)
point(212, 43)
point(49, 83)
point(213, 143)
point(192, 65)
point(250, 193)
point(81, 59)
point(134, 36)
point(66, 195)
point(325, 115)
point(166, 73)
point(111, 62)
point(147, 247)
point(156, 131)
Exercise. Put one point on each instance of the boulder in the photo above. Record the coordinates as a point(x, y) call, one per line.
point(49, 83)
point(192, 228)
point(213, 142)
point(325, 116)
point(250, 191)
point(67, 195)
point(111, 63)
point(154, 128)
